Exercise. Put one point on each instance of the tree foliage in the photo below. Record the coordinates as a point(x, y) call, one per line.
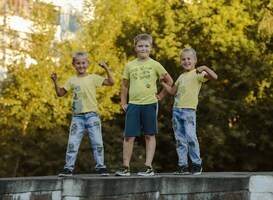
point(233, 37)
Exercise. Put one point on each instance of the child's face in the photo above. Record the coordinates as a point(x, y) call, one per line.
point(188, 61)
point(143, 49)
point(81, 63)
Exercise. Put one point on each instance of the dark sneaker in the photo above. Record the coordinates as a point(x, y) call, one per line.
point(65, 173)
point(196, 169)
point(183, 170)
point(123, 171)
point(146, 171)
point(102, 172)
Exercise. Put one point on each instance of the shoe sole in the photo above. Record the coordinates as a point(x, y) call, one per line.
point(185, 173)
point(197, 173)
point(144, 174)
point(65, 175)
point(103, 174)
point(118, 174)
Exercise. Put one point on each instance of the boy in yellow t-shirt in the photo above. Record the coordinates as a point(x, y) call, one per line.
point(186, 90)
point(85, 111)
point(139, 79)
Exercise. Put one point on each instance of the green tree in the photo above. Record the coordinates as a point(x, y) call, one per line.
point(228, 36)
point(28, 101)
point(233, 37)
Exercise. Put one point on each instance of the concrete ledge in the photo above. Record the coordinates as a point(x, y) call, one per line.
point(261, 187)
point(29, 184)
point(222, 186)
point(110, 186)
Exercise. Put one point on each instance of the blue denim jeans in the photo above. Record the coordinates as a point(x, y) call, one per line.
point(184, 127)
point(79, 123)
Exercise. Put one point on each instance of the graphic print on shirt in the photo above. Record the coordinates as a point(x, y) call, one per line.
point(179, 93)
point(143, 74)
point(78, 98)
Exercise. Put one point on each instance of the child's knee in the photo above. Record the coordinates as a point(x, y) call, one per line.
point(149, 137)
point(129, 139)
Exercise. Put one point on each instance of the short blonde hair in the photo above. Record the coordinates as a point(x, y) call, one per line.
point(143, 36)
point(188, 50)
point(80, 53)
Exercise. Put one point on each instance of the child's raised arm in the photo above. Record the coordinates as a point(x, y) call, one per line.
point(59, 91)
point(109, 81)
point(210, 74)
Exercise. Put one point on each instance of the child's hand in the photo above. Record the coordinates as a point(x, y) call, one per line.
point(54, 76)
point(161, 77)
point(102, 64)
point(158, 97)
point(201, 69)
point(124, 107)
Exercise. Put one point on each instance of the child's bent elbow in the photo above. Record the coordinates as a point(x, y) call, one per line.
point(215, 78)
point(60, 94)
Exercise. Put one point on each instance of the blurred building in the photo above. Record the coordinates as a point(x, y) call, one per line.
point(16, 26)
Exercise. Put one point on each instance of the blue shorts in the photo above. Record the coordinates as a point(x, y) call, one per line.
point(141, 118)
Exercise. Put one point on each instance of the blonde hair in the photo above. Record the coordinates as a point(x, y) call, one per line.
point(188, 50)
point(80, 53)
point(143, 36)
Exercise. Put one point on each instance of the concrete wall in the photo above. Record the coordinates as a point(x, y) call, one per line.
point(208, 186)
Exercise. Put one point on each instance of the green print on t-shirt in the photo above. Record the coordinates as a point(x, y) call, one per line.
point(134, 73)
point(77, 99)
point(141, 73)
point(177, 97)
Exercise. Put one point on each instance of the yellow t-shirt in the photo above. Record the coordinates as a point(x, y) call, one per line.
point(142, 80)
point(189, 85)
point(84, 89)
